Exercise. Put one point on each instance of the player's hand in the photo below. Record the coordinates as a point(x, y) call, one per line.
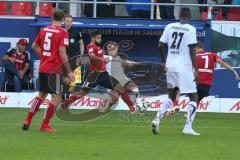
point(165, 69)
point(236, 75)
point(196, 76)
point(106, 59)
point(71, 76)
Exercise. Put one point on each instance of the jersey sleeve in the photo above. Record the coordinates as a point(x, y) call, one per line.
point(64, 41)
point(9, 52)
point(27, 58)
point(79, 36)
point(164, 37)
point(215, 56)
point(192, 38)
point(90, 49)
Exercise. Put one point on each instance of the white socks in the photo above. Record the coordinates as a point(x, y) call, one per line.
point(167, 104)
point(191, 113)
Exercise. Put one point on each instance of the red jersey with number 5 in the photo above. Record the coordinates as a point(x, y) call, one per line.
point(98, 52)
point(49, 39)
point(205, 64)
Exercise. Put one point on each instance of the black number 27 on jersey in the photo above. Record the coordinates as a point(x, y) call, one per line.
point(177, 40)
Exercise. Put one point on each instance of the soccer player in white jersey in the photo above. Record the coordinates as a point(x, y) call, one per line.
point(181, 66)
point(115, 69)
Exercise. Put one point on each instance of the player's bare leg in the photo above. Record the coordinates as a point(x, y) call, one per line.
point(37, 101)
point(49, 112)
point(126, 98)
point(191, 113)
point(113, 99)
point(133, 88)
point(72, 98)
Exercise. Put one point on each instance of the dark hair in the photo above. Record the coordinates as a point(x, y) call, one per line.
point(95, 33)
point(185, 13)
point(173, 93)
point(58, 15)
point(199, 45)
point(68, 16)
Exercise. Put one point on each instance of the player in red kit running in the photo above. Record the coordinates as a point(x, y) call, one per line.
point(99, 76)
point(50, 44)
point(205, 65)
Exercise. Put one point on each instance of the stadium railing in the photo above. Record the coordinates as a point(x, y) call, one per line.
point(46, 6)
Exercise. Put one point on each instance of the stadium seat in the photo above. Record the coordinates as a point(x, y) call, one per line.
point(21, 8)
point(46, 9)
point(233, 14)
point(3, 8)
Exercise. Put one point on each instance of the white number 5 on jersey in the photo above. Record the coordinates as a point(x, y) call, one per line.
point(47, 41)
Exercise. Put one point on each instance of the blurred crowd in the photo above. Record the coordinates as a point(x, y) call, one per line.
point(122, 11)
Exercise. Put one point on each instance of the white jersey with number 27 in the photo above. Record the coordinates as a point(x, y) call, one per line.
point(178, 37)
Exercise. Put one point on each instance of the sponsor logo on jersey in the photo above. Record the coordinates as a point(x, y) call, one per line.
point(66, 41)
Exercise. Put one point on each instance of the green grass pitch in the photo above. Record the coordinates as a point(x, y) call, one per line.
point(116, 137)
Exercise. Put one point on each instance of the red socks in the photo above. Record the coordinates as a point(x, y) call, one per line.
point(33, 109)
point(70, 100)
point(128, 101)
point(48, 114)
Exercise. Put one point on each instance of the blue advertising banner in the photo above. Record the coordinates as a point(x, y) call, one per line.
point(136, 38)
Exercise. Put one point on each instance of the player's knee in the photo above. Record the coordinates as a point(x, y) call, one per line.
point(120, 89)
point(42, 95)
point(135, 90)
point(193, 97)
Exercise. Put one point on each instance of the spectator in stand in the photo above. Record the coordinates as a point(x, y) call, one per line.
point(16, 63)
point(139, 11)
point(166, 12)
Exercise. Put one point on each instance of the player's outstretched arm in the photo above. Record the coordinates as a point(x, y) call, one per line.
point(95, 58)
point(128, 63)
point(81, 44)
point(36, 48)
point(226, 65)
point(161, 49)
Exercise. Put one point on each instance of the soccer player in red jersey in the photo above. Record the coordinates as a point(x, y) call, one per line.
point(205, 65)
point(98, 75)
point(50, 44)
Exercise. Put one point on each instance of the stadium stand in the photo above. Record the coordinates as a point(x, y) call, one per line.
point(3, 8)
point(233, 14)
point(46, 9)
point(21, 8)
